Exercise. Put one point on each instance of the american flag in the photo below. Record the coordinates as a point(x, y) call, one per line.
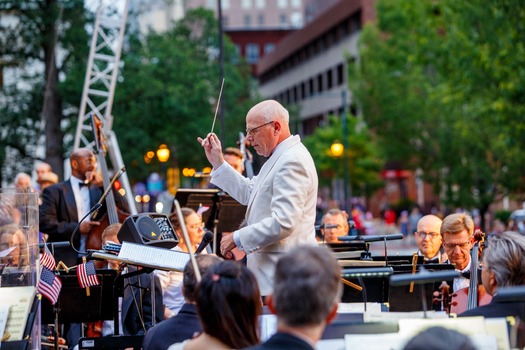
point(87, 276)
point(49, 285)
point(47, 259)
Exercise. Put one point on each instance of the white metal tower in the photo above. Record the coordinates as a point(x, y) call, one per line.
point(100, 81)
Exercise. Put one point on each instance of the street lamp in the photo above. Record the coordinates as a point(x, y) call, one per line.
point(338, 151)
point(163, 153)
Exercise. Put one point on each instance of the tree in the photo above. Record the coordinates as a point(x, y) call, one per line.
point(169, 92)
point(364, 158)
point(38, 105)
point(442, 86)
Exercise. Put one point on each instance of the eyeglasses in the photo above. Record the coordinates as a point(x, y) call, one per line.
point(196, 226)
point(424, 234)
point(451, 246)
point(252, 131)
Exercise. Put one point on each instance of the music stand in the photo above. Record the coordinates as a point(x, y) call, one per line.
point(400, 298)
point(74, 306)
point(194, 198)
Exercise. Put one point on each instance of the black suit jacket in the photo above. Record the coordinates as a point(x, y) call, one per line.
point(283, 341)
point(58, 217)
point(498, 309)
point(173, 330)
point(137, 304)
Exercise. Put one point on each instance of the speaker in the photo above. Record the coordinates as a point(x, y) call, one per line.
point(150, 229)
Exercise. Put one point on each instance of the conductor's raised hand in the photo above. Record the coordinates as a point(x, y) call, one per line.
point(213, 149)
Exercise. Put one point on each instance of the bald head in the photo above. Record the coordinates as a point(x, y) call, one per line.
point(82, 162)
point(267, 126)
point(428, 237)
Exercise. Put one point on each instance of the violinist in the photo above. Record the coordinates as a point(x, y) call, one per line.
point(66, 203)
point(502, 266)
point(457, 232)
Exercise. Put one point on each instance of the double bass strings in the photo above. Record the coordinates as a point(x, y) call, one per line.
point(217, 108)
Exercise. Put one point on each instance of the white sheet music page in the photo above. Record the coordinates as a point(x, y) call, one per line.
point(161, 258)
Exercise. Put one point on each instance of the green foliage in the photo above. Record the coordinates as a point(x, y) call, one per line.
point(42, 40)
point(364, 160)
point(169, 91)
point(442, 85)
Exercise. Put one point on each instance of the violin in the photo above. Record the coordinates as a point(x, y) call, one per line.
point(475, 294)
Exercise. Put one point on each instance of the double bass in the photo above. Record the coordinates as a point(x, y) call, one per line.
point(113, 215)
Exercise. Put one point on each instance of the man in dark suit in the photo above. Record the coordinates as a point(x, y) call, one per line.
point(186, 323)
point(503, 266)
point(307, 291)
point(64, 205)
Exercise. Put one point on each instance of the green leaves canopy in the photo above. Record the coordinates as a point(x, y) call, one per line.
point(442, 84)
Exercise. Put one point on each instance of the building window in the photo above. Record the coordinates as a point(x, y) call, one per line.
point(268, 47)
point(340, 74)
point(303, 90)
point(296, 19)
point(312, 89)
point(260, 4)
point(252, 53)
point(282, 19)
point(320, 83)
point(246, 4)
point(260, 19)
point(224, 21)
point(282, 4)
point(329, 82)
point(295, 3)
point(247, 20)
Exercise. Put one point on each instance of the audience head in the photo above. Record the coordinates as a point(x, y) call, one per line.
point(234, 157)
point(23, 181)
point(335, 217)
point(41, 169)
point(189, 281)
point(503, 261)
point(307, 287)
point(457, 232)
point(440, 338)
point(194, 226)
point(47, 179)
point(428, 235)
point(267, 126)
point(11, 236)
point(83, 163)
point(228, 304)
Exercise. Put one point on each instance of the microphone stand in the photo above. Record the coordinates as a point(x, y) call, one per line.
point(187, 240)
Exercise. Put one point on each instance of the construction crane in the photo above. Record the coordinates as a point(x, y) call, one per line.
point(99, 85)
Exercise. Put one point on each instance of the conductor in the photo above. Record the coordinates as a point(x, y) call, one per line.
point(280, 200)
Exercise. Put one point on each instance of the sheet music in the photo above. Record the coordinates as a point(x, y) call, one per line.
point(19, 301)
point(140, 254)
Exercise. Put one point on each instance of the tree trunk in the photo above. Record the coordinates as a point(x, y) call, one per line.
point(52, 106)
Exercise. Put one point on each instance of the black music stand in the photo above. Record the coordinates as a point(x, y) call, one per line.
point(74, 306)
point(225, 214)
point(193, 198)
point(400, 298)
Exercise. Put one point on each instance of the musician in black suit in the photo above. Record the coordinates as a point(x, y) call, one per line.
point(307, 290)
point(186, 322)
point(502, 266)
point(64, 205)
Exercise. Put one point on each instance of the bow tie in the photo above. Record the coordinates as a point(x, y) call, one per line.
point(431, 261)
point(82, 184)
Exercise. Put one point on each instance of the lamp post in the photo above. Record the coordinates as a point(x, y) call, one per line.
point(337, 149)
point(163, 154)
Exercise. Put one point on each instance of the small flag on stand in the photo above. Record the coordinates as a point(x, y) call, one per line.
point(87, 275)
point(49, 284)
